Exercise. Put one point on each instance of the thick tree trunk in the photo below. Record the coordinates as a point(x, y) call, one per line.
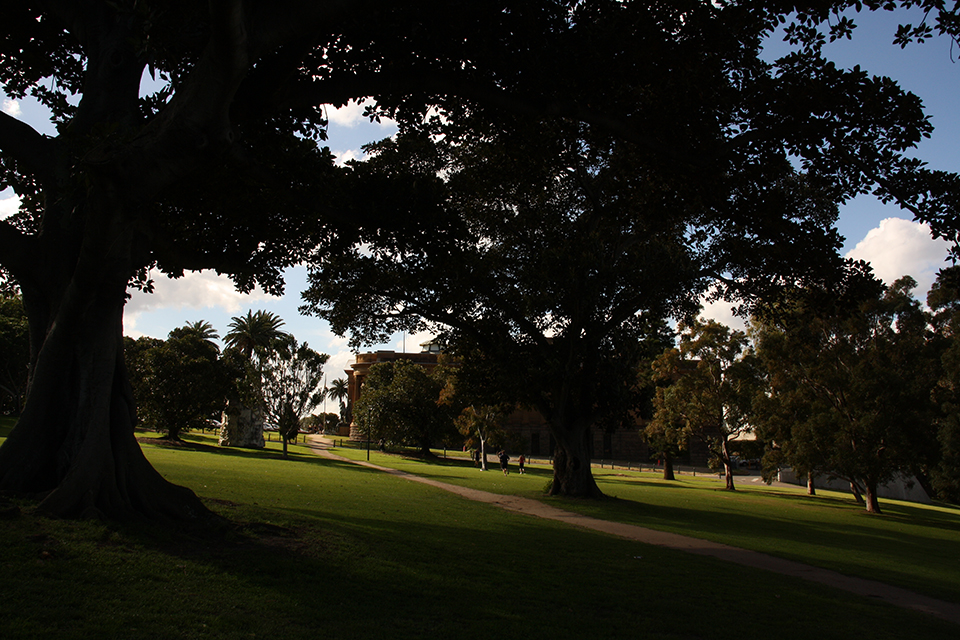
point(572, 475)
point(871, 498)
point(668, 467)
point(727, 465)
point(74, 445)
point(811, 488)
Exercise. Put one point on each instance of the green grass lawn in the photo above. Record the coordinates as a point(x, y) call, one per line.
point(911, 545)
point(325, 549)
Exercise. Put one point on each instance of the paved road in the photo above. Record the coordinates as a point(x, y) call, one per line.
point(893, 595)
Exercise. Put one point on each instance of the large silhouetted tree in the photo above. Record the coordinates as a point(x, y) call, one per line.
point(220, 167)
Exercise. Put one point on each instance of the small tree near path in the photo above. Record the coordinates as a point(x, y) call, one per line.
point(480, 425)
point(714, 381)
point(292, 385)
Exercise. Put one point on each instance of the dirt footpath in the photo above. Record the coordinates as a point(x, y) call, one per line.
point(893, 595)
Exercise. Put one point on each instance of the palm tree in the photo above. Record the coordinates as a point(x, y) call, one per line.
point(203, 330)
point(255, 336)
point(339, 389)
point(254, 333)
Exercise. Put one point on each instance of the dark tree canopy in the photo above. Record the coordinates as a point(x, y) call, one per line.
point(547, 250)
point(220, 169)
point(14, 353)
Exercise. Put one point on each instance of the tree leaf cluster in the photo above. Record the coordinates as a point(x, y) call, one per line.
point(292, 384)
point(851, 385)
point(400, 403)
point(181, 384)
point(712, 379)
point(14, 354)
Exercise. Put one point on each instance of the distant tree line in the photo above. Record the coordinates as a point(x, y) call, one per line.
point(857, 382)
point(185, 382)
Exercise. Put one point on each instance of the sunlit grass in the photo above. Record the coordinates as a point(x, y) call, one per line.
point(324, 549)
point(911, 545)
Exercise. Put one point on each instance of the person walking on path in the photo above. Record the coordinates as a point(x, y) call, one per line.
point(520, 461)
point(504, 459)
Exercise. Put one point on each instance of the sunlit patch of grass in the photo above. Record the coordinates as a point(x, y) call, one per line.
point(911, 545)
point(325, 549)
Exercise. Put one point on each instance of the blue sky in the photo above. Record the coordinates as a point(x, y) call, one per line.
point(881, 234)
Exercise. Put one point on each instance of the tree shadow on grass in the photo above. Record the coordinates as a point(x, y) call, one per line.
point(877, 553)
point(240, 452)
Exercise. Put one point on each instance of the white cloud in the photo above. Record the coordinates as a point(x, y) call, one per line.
point(195, 290)
point(351, 115)
point(901, 247)
point(9, 206)
point(722, 312)
point(343, 157)
point(11, 107)
point(341, 356)
point(338, 363)
point(895, 248)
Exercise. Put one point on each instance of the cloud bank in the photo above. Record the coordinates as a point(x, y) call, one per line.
point(901, 247)
point(195, 290)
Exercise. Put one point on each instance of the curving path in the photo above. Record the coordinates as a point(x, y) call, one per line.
point(893, 595)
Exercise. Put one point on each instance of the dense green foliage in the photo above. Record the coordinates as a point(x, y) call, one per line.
point(180, 384)
point(292, 380)
point(713, 382)
point(944, 303)
point(852, 374)
point(401, 404)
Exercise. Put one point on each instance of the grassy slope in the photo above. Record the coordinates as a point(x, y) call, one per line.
point(323, 549)
point(914, 546)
